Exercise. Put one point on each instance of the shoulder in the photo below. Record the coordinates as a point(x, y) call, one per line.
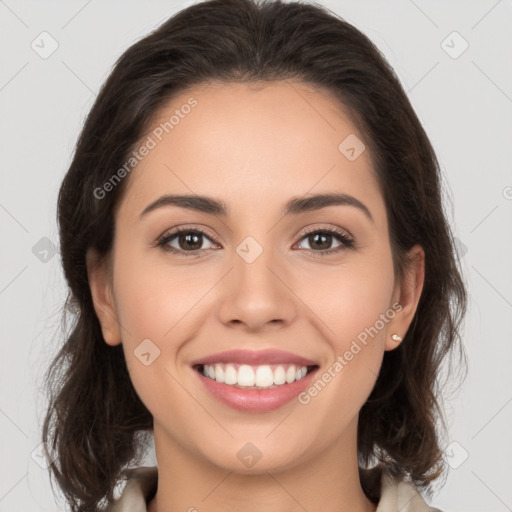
point(141, 485)
point(393, 494)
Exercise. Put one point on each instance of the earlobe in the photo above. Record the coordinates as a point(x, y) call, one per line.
point(408, 292)
point(102, 297)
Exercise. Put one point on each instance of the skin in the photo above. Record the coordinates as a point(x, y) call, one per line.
point(253, 147)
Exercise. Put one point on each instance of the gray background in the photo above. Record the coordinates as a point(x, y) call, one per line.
point(464, 102)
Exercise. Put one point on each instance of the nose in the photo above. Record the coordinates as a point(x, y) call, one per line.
point(257, 295)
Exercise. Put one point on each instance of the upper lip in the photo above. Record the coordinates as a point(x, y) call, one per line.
point(256, 358)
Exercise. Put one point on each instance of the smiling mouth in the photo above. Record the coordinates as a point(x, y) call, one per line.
point(244, 376)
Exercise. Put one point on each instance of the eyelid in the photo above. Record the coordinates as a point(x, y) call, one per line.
point(329, 229)
point(163, 240)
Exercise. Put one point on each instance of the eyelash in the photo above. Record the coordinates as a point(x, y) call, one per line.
point(346, 241)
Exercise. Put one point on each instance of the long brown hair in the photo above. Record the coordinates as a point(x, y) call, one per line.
point(96, 425)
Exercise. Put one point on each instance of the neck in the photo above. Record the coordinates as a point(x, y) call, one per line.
point(328, 482)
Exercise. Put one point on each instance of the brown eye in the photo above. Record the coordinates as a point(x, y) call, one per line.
point(321, 241)
point(185, 240)
point(192, 241)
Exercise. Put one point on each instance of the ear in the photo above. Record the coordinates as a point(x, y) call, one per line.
point(100, 282)
point(407, 294)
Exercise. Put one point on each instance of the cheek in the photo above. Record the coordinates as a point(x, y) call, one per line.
point(151, 298)
point(147, 309)
point(151, 315)
point(351, 297)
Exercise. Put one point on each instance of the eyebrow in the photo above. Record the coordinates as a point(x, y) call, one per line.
point(295, 206)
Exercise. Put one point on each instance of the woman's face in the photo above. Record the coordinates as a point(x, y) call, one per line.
point(275, 270)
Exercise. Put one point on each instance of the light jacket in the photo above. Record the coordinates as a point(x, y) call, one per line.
point(391, 494)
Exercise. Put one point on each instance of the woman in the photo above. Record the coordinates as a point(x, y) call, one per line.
point(262, 275)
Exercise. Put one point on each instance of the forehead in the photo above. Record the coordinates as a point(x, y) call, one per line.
point(254, 144)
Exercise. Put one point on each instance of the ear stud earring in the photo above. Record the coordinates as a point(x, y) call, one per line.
point(395, 337)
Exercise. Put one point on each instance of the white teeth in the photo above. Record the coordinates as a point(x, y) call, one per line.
point(219, 373)
point(245, 375)
point(262, 376)
point(279, 376)
point(290, 374)
point(230, 375)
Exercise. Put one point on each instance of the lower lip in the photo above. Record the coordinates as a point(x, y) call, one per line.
point(255, 400)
